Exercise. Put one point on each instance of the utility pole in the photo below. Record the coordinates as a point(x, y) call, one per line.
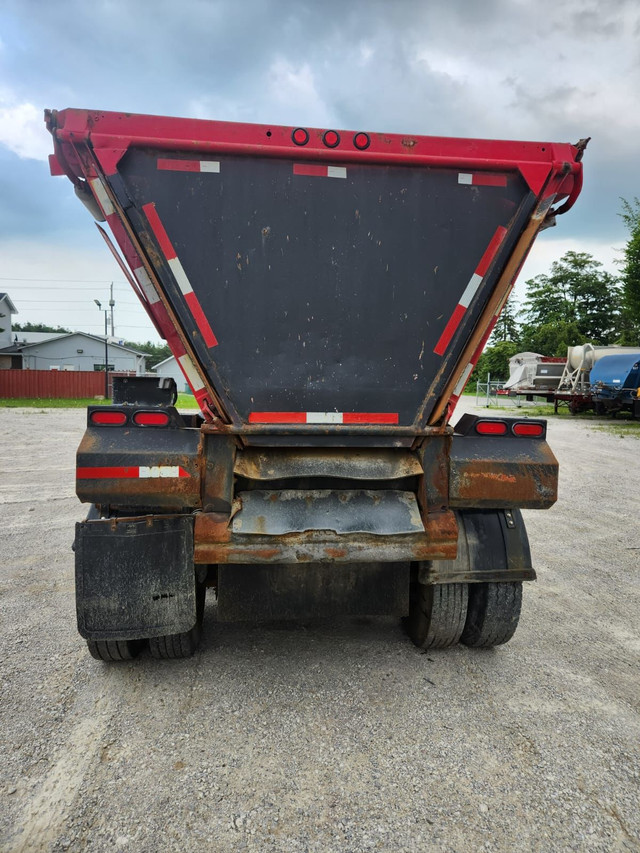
point(106, 349)
point(111, 304)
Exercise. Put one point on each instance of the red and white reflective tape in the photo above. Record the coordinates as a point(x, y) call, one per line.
point(135, 472)
point(470, 291)
point(188, 165)
point(142, 277)
point(323, 418)
point(460, 385)
point(179, 274)
point(482, 179)
point(315, 170)
point(191, 374)
point(101, 194)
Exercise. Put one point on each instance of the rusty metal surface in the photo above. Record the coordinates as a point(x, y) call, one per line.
point(277, 513)
point(132, 447)
point(487, 472)
point(215, 543)
point(356, 464)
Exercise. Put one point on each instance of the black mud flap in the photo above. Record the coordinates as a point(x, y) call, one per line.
point(492, 547)
point(135, 577)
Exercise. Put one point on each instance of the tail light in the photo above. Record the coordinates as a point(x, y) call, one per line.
point(151, 419)
point(491, 428)
point(529, 430)
point(108, 418)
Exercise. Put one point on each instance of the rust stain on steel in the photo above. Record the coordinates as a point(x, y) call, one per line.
point(438, 542)
point(487, 483)
point(355, 463)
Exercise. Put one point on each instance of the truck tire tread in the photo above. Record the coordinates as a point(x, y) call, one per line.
point(492, 615)
point(437, 614)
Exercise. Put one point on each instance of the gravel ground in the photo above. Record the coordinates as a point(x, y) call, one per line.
point(328, 736)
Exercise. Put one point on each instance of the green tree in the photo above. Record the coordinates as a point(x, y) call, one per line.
point(495, 360)
point(577, 301)
point(39, 327)
point(506, 329)
point(631, 275)
point(156, 352)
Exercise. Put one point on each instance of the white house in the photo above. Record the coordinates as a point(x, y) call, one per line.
point(170, 367)
point(78, 351)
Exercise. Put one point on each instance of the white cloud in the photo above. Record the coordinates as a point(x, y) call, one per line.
point(22, 130)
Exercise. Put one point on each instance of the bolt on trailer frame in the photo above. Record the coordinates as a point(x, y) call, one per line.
point(326, 294)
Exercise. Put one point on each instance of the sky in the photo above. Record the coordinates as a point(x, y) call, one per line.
point(553, 70)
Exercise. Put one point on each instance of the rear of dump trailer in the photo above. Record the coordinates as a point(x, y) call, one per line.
point(326, 294)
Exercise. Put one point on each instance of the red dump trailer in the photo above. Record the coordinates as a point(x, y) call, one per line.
point(326, 294)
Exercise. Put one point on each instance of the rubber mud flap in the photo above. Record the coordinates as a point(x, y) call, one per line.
point(135, 577)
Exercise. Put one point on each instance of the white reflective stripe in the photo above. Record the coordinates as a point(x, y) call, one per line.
point(159, 471)
point(101, 194)
point(470, 290)
point(324, 417)
point(463, 380)
point(336, 171)
point(464, 178)
point(189, 370)
point(209, 166)
point(145, 283)
point(180, 275)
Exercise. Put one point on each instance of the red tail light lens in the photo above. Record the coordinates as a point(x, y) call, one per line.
point(331, 138)
point(361, 141)
point(108, 418)
point(491, 428)
point(151, 419)
point(529, 430)
point(300, 136)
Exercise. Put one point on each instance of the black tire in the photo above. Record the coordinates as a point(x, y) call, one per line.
point(437, 614)
point(492, 614)
point(114, 650)
point(183, 645)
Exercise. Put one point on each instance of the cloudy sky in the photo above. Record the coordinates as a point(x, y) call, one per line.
point(553, 70)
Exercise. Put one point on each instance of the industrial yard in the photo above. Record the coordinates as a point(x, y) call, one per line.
point(330, 735)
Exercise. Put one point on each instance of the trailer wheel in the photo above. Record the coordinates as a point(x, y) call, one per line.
point(437, 614)
point(183, 645)
point(114, 650)
point(492, 614)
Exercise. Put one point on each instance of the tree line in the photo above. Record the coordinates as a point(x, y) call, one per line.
point(576, 302)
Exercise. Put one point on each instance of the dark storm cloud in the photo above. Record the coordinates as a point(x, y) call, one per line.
point(498, 68)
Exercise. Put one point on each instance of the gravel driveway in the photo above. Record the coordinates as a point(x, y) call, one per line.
point(328, 736)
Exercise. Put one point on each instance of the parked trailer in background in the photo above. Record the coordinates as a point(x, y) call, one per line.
point(615, 382)
point(327, 294)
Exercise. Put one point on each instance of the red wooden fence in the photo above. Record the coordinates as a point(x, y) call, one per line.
point(43, 384)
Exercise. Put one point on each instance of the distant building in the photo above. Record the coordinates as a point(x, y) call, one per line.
point(170, 367)
point(61, 350)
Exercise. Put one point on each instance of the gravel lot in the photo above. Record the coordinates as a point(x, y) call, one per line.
point(329, 736)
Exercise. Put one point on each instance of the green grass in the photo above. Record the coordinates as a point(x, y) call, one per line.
point(185, 401)
point(51, 403)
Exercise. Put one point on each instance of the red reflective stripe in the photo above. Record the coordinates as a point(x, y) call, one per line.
point(158, 229)
point(309, 169)
point(201, 321)
point(370, 418)
point(449, 330)
point(488, 179)
point(101, 473)
point(179, 165)
point(278, 418)
point(492, 248)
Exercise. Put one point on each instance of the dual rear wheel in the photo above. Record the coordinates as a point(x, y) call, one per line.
point(481, 615)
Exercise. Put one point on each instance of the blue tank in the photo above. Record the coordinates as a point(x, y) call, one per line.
point(616, 376)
